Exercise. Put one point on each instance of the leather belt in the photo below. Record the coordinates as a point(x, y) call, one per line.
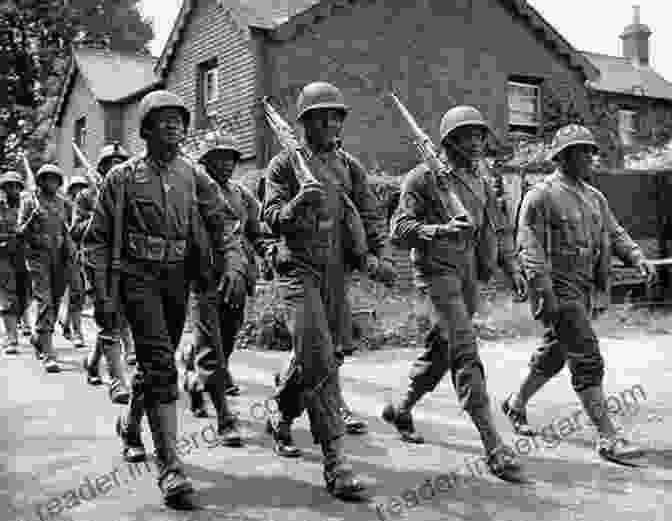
point(156, 249)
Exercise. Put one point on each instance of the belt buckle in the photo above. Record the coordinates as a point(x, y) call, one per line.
point(156, 248)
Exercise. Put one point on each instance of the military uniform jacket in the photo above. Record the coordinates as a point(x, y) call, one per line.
point(174, 212)
point(567, 233)
point(10, 243)
point(421, 203)
point(44, 223)
point(311, 244)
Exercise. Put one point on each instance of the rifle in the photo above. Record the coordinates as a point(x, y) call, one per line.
point(91, 172)
point(31, 188)
point(30, 177)
point(430, 156)
point(114, 277)
point(358, 246)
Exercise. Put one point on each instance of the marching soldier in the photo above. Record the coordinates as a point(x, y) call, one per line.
point(567, 235)
point(109, 344)
point(310, 267)
point(153, 225)
point(216, 321)
point(43, 222)
point(72, 321)
point(450, 258)
point(13, 276)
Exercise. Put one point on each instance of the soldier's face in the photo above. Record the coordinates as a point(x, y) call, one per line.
point(324, 126)
point(109, 163)
point(12, 189)
point(470, 140)
point(167, 127)
point(577, 160)
point(50, 183)
point(220, 164)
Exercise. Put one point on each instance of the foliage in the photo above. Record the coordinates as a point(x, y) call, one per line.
point(36, 37)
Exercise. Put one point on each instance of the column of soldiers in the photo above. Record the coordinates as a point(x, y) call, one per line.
point(161, 227)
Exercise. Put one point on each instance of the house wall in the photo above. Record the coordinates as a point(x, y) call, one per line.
point(210, 32)
point(132, 141)
point(436, 54)
point(81, 103)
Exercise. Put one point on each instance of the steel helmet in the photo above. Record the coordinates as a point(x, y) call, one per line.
point(111, 151)
point(160, 99)
point(76, 180)
point(12, 177)
point(571, 135)
point(320, 95)
point(461, 116)
point(49, 169)
point(219, 140)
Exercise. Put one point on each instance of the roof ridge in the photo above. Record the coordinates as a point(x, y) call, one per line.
point(128, 54)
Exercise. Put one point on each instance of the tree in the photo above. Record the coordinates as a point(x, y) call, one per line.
point(36, 39)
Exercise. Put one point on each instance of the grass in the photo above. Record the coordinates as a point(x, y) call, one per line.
point(389, 319)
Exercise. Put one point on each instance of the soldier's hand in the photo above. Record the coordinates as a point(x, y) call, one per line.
point(547, 308)
point(310, 194)
point(233, 288)
point(458, 228)
point(648, 270)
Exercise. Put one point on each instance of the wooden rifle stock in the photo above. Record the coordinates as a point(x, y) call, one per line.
point(91, 172)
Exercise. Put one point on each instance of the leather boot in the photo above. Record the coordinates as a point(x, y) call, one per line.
point(129, 428)
point(119, 392)
point(227, 424)
point(610, 444)
point(197, 404)
point(46, 347)
point(12, 335)
point(340, 480)
point(283, 443)
point(76, 335)
point(176, 488)
point(400, 416)
point(518, 418)
point(403, 422)
point(92, 365)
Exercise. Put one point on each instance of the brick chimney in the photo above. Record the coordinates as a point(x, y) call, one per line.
point(636, 40)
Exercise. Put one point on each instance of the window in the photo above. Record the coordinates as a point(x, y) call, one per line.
point(627, 126)
point(80, 138)
point(208, 91)
point(524, 106)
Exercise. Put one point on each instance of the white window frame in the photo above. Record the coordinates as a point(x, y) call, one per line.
point(627, 133)
point(210, 77)
point(519, 122)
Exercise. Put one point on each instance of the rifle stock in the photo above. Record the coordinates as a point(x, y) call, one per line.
point(91, 172)
point(114, 277)
point(30, 177)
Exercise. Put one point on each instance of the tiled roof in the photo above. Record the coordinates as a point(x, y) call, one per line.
point(621, 75)
point(111, 76)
